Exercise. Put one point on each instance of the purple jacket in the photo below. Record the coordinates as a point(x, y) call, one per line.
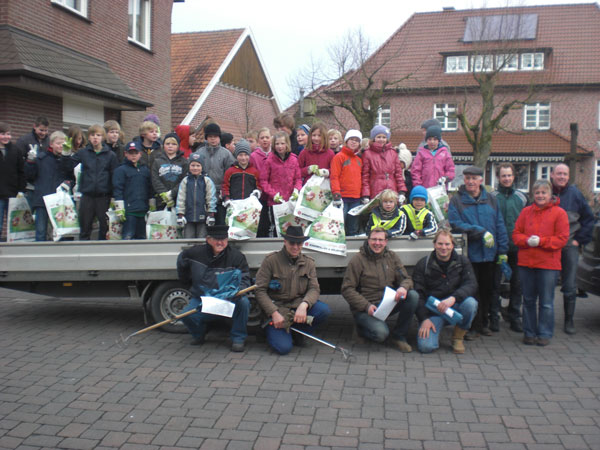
point(427, 169)
point(381, 170)
point(307, 158)
point(281, 176)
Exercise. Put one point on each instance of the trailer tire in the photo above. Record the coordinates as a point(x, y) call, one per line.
point(168, 300)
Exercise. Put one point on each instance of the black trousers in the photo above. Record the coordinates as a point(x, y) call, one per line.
point(91, 208)
point(484, 272)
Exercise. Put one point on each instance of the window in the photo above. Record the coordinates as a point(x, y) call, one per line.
point(76, 6)
point(536, 116)
point(507, 62)
point(597, 177)
point(384, 116)
point(543, 171)
point(532, 61)
point(482, 63)
point(457, 64)
point(446, 114)
point(139, 22)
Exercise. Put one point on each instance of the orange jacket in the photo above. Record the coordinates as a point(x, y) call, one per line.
point(345, 174)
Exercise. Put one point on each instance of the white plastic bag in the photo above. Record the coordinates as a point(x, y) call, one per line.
point(21, 226)
point(62, 214)
point(313, 198)
point(284, 217)
point(115, 226)
point(161, 225)
point(327, 233)
point(367, 208)
point(438, 202)
point(242, 218)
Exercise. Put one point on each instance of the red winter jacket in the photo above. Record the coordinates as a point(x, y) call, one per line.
point(346, 174)
point(320, 157)
point(551, 224)
point(281, 176)
point(183, 131)
point(239, 183)
point(381, 170)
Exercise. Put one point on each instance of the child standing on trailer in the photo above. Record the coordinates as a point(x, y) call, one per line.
point(316, 157)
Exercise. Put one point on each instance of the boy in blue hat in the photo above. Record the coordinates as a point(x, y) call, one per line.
point(420, 221)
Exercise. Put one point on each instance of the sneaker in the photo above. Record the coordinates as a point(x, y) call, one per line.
point(472, 335)
point(400, 345)
point(516, 325)
point(197, 341)
point(238, 346)
point(529, 340)
point(485, 331)
point(495, 324)
point(542, 342)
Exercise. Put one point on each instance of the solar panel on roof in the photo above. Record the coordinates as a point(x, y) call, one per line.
point(500, 27)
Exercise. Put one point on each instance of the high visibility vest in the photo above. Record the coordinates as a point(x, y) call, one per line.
point(385, 224)
point(416, 218)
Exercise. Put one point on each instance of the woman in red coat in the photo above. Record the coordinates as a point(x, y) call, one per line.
point(541, 231)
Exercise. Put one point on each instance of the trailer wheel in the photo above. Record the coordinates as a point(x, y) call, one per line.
point(168, 300)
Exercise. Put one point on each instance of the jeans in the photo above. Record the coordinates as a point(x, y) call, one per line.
point(41, 223)
point(515, 297)
point(134, 227)
point(377, 330)
point(3, 210)
point(538, 284)
point(468, 309)
point(281, 341)
point(350, 222)
point(569, 260)
point(194, 230)
point(196, 323)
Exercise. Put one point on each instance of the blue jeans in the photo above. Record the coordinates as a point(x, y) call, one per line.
point(538, 284)
point(3, 209)
point(569, 260)
point(134, 227)
point(41, 223)
point(377, 330)
point(196, 323)
point(281, 341)
point(350, 222)
point(468, 309)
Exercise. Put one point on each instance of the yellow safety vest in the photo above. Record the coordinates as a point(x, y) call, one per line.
point(416, 218)
point(385, 224)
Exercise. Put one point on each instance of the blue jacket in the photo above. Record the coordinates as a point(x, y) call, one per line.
point(197, 196)
point(46, 173)
point(96, 170)
point(132, 184)
point(581, 218)
point(474, 217)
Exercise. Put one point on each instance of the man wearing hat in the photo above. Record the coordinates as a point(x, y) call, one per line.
point(217, 270)
point(369, 272)
point(242, 179)
point(296, 299)
point(475, 212)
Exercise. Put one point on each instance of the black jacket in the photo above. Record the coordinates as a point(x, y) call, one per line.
point(29, 141)
point(96, 170)
point(47, 173)
point(12, 175)
point(430, 279)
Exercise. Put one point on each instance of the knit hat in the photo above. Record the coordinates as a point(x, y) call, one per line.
point(430, 122)
point(196, 157)
point(380, 129)
point(304, 128)
point(212, 129)
point(353, 134)
point(418, 192)
point(242, 146)
point(132, 147)
point(405, 156)
point(434, 131)
point(173, 135)
point(152, 118)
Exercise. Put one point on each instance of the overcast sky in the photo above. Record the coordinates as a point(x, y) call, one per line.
point(288, 35)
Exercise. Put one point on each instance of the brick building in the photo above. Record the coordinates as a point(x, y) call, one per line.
point(83, 62)
point(221, 74)
point(546, 56)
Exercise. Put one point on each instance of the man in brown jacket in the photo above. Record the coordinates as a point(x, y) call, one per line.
point(298, 296)
point(367, 275)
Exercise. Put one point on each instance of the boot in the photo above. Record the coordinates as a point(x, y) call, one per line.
point(458, 345)
point(569, 304)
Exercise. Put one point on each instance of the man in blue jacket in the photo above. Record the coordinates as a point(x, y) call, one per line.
point(475, 212)
point(581, 222)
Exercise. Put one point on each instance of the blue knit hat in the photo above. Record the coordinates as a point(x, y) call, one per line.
point(418, 192)
point(196, 157)
point(305, 128)
point(434, 131)
point(380, 129)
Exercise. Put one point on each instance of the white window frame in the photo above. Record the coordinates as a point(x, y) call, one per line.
point(133, 9)
point(597, 177)
point(532, 61)
point(82, 10)
point(543, 171)
point(537, 109)
point(446, 114)
point(507, 63)
point(599, 115)
point(384, 116)
point(482, 63)
point(457, 64)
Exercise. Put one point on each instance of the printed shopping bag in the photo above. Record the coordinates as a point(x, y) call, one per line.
point(284, 217)
point(161, 225)
point(242, 218)
point(21, 226)
point(115, 226)
point(314, 197)
point(438, 202)
point(326, 233)
point(62, 214)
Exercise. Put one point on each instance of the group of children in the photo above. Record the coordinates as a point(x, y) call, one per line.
point(192, 172)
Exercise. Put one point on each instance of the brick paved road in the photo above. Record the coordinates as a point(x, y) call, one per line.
point(65, 384)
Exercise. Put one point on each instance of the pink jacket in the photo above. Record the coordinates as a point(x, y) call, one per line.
point(258, 158)
point(321, 158)
point(381, 170)
point(281, 176)
point(427, 169)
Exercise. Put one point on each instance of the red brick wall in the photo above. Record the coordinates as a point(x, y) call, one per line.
point(236, 112)
point(104, 37)
point(20, 109)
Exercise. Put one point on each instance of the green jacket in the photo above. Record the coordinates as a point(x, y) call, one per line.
point(510, 202)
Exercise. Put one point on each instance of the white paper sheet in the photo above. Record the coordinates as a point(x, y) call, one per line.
point(386, 305)
point(216, 306)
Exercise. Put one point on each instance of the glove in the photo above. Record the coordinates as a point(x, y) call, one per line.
point(401, 199)
point(314, 169)
point(337, 196)
point(533, 240)
point(152, 204)
point(442, 180)
point(65, 187)
point(20, 195)
point(167, 199)
point(338, 203)
point(181, 221)
point(413, 236)
point(323, 173)
point(488, 239)
point(210, 221)
point(502, 259)
point(32, 153)
point(365, 200)
point(120, 209)
point(278, 198)
point(226, 203)
point(294, 195)
point(256, 193)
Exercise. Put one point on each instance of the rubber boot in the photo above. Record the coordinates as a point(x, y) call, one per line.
point(458, 345)
point(569, 304)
